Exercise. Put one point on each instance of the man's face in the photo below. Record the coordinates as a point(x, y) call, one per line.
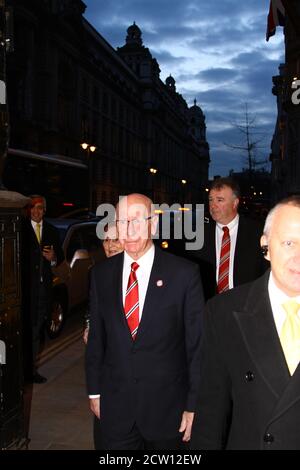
point(37, 212)
point(284, 249)
point(135, 225)
point(223, 205)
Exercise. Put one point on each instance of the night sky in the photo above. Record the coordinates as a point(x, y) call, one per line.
point(217, 53)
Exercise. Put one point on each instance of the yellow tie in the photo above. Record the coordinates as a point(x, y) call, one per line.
point(290, 335)
point(38, 232)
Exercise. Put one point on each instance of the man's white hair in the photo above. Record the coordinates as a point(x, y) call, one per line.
point(289, 201)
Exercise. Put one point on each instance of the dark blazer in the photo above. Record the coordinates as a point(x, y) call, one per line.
point(249, 263)
point(152, 380)
point(247, 399)
point(36, 267)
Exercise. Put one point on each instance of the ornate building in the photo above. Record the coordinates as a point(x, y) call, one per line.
point(67, 85)
point(285, 149)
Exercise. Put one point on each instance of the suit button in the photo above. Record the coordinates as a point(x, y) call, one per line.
point(268, 438)
point(135, 380)
point(249, 376)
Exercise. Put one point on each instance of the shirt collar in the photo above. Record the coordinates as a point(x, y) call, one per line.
point(145, 260)
point(33, 223)
point(231, 224)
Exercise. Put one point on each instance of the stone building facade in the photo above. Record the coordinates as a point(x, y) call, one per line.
point(285, 149)
point(67, 85)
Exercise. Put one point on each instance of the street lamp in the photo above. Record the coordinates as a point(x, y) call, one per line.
point(153, 172)
point(89, 148)
point(183, 182)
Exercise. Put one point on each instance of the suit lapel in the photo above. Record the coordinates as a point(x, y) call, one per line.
point(154, 293)
point(259, 332)
point(240, 248)
point(210, 243)
point(238, 252)
point(290, 395)
point(44, 233)
point(120, 306)
point(33, 235)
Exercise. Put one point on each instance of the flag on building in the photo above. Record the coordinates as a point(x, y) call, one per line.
point(276, 17)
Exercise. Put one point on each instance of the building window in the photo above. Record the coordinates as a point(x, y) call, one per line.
point(113, 108)
point(84, 90)
point(105, 103)
point(96, 97)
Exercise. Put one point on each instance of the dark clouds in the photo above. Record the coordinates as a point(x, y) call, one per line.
point(217, 53)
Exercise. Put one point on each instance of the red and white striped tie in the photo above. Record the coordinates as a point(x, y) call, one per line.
point(223, 277)
point(131, 306)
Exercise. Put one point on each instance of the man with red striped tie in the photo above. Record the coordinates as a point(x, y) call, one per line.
point(142, 359)
point(231, 253)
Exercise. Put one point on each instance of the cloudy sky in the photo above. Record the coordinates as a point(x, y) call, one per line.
point(217, 53)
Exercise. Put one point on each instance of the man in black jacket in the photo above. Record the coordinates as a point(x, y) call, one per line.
point(143, 347)
point(42, 251)
point(249, 392)
point(244, 260)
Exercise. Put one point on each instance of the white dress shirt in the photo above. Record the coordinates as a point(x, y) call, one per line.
point(277, 298)
point(142, 273)
point(233, 229)
point(33, 223)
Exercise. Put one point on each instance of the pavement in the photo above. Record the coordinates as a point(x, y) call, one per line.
point(57, 412)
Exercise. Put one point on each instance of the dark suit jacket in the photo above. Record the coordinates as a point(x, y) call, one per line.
point(152, 380)
point(35, 266)
point(249, 263)
point(247, 399)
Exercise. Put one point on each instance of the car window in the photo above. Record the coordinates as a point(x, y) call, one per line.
point(62, 233)
point(89, 237)
point(75, 243)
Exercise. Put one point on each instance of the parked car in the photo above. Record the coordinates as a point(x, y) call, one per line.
point(79, 214)
point(82, 249)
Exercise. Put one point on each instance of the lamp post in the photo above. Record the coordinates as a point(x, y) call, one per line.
point(183, 182)
point(153, 172)
point(89, 149)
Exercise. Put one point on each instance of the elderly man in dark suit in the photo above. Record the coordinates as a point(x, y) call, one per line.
point(41, 251)
point(249, 394)
point(142, 359)
point(231, 252)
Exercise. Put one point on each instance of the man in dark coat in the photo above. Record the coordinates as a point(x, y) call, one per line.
point(245, 260)
point(142, 377)
point(41, 251)
point(249, 394)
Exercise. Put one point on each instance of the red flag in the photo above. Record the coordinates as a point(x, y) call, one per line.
point(276, 17)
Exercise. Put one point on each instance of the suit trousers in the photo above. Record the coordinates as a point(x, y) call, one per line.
point(133, 440)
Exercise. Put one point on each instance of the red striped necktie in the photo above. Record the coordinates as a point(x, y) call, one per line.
point(131, 306)
point(223, 277)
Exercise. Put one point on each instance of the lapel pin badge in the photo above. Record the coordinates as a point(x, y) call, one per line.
point(159, 283)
